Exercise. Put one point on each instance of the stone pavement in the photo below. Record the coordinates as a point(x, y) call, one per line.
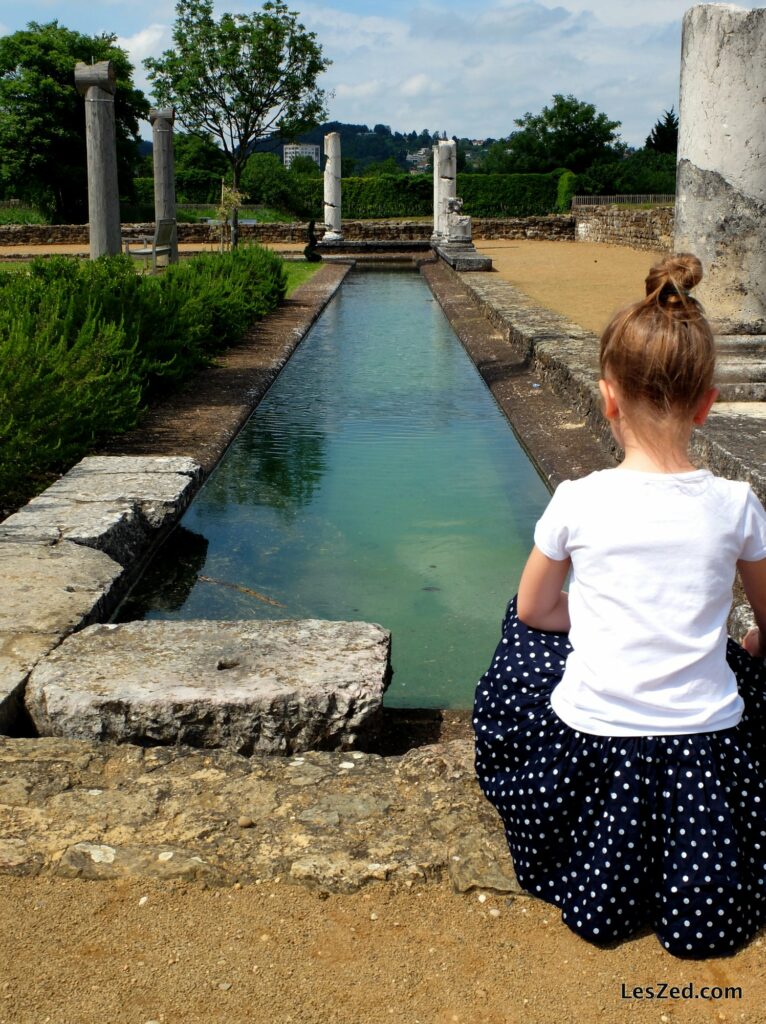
point(331, 820)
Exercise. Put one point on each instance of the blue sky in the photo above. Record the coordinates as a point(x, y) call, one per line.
point(466, 67)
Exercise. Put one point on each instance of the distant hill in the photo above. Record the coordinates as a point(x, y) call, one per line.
point(360, 143)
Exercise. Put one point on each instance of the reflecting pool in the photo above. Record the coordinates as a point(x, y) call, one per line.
point(377, 480)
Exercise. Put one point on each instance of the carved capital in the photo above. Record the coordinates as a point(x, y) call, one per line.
point(101, 75)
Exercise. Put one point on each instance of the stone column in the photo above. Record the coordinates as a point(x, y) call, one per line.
point(721, 185)
point(436, 236)
point(447, 161)
point(164, 171)
point(332, 224)
point(96, 83)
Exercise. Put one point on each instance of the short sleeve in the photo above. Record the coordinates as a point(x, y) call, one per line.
point(552, 530)
point(754, 530)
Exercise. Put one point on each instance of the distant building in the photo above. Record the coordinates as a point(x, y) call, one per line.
point(419, 159)
point(293, 149)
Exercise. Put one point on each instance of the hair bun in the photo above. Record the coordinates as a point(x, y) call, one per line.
point(670, 281)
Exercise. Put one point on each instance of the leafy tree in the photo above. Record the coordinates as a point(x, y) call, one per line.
point(569, 134)
point(387, 166)
point(241, 78)
point(199, 167)
point(306, 166)
point(640, 173)
point(266, 180)
point(42, 117)
point(663, 137)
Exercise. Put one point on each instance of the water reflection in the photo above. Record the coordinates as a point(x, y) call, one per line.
point(377, 480)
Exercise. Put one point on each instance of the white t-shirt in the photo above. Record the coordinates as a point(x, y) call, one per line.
point(653, 564)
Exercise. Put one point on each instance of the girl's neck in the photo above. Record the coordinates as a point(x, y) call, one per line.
point(662, 447)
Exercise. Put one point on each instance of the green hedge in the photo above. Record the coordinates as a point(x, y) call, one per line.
point(392, 195)
point(84, 345)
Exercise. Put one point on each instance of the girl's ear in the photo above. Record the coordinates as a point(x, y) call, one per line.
point(704, 406)
point(609, 398)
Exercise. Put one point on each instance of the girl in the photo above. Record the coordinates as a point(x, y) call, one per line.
point(619, 733)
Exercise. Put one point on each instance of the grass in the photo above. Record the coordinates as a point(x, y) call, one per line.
point(21, 215)
point(297, 273)
point(263, 214)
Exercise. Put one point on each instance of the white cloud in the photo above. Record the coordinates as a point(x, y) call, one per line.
point(148, 42)
point(359, 91)
point(416, 85)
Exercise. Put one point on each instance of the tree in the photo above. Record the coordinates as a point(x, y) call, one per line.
point(199, 167)
point(241, 78)
point(42, 117)
point(663, 137)
point(267, 181)
point(306, 166)
point(569, 134)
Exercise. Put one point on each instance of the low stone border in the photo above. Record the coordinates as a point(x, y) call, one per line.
point(331, 821)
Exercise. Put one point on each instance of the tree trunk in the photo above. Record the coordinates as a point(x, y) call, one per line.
point(235, 211)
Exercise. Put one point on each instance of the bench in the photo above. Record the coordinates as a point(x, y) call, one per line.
point(160, 245)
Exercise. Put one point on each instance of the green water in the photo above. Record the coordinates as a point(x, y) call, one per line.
point(377, 480)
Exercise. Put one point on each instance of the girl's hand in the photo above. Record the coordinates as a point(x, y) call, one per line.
point(753, 642)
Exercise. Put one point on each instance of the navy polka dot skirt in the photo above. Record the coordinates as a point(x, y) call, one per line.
point(625, 832)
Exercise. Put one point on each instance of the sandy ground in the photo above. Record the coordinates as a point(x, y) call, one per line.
point(584, 281)
point(135, 952)
point(83, 952)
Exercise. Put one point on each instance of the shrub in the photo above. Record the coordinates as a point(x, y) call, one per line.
point(411, 195)
point(84, 345)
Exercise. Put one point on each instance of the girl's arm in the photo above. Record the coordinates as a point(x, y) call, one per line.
point(541, 603)
point(753, 576)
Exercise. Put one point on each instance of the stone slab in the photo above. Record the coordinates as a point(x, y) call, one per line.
point(112, 503)
point(161, 497)
point(54, 588)
point(118, 529)
point(464, 259)
point(270, 687)
point(19, 652)
point(328, 820)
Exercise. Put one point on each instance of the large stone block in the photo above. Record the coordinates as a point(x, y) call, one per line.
point(266, 687)
point(48, 591)
point(53, 588)
point(112, 503)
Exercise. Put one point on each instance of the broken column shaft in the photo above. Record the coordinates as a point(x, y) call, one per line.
point(96, 82)
point(164, 171)
point(332, 190)
point(721, 185)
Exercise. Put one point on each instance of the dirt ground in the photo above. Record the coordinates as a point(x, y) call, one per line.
point(585, 281)
point(75, 952)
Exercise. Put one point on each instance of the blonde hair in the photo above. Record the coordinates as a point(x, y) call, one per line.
point(660, 351)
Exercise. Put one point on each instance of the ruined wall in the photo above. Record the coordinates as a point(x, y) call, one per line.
point(553, 227)
point(618, 225)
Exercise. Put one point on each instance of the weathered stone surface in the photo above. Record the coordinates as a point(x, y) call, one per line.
point(48, 591)
point(271, 687)
point(332, 189)
point(721, 190)
point(105, 811)
point(19, 652)
point(53, 588)
point(117, 529)
point(463, 257)
point(616, 225)
point(112, 503)
point(159, 493)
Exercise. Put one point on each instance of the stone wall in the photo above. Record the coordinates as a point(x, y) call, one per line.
point(552, 227)
point(639, 229)
point(617, 225)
